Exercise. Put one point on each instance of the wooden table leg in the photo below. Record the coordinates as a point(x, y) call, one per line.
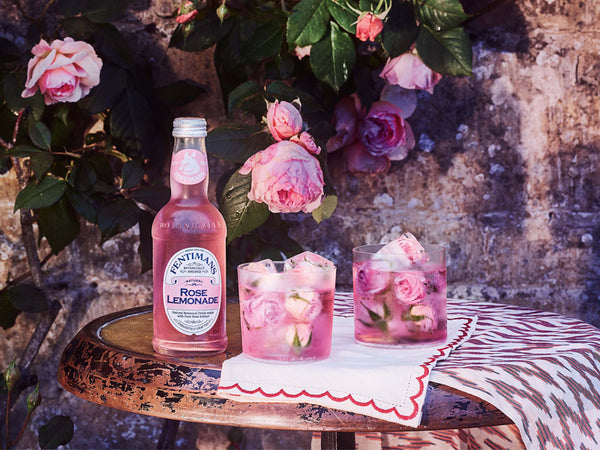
point(334, 440)
point(168, 434)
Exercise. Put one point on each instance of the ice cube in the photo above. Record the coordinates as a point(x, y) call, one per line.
point(307, 261)
point(423, 317)
point(303, 306)
point(407, 246)
point(263, 266)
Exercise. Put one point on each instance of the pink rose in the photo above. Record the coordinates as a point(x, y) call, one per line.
point(409, 72)
point(409, 288)
point(261, 310)
point(283, 120)
point(385, 132)
point(372, 276)
point(63, 71)
point(187, 11)
point(299, 335)
point(360, 161)
point(303, 306)
point(306, 140)
point(285, 177)
point(368, 27)
point(345, 121)
point(406, 245)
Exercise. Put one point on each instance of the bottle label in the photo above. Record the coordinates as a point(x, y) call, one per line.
point(192, 290)
point(189, 166)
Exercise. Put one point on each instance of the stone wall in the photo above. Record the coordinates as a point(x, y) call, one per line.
point(505, 174)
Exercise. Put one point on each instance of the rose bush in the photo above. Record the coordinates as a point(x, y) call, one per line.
point(63, 71)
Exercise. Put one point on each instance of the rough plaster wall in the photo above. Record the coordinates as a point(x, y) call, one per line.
point(505, 173)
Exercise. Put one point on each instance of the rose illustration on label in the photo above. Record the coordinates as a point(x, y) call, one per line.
point(192, 290)
point(189, 166)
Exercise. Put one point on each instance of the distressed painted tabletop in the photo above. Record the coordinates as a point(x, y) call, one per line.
point(111, 362)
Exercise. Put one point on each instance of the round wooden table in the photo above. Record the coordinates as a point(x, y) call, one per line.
point(111, 362)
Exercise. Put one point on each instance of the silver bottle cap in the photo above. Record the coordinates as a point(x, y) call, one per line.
point(189, 127)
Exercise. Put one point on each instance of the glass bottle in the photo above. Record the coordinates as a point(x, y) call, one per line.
point(188, 236)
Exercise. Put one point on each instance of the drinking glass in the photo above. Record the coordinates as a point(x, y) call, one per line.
point(286, 315)
point(398, 301)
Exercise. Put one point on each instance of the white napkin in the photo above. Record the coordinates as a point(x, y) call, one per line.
point(389, 384)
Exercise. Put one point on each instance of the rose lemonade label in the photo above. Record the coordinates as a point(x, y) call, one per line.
point(192, 290)
point(189, 166)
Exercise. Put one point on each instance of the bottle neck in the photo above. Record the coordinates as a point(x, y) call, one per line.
point(189, 169)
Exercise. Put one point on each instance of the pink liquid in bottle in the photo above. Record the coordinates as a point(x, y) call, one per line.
point(188, 233)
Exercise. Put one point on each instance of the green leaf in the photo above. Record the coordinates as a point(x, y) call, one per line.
point(400, 30)
point(439, 15)
point(333, 58)
point(131, 174)
point(342, 13)
point(241, 214)
point(84, 205)
point(40, 134)
point(131, 121)
point(116, 217)
point(447, 52)
point(42, 195)
point(58, 224)
point(247, 97)
point(201, 34)
point(95, 10)
point(26, 298)
point(264, 42)
point(13, 85)
point(179, 93)
point(307, 23)
point(8, 313)
point(113, 81)
point(40, 160)
point(58, 431)
point(236, 143)
point(325, 209)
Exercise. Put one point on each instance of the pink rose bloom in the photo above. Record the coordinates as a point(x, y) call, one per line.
point(301, 52)
point(345, 121)
point(409, 72)
point(303, 306)
point(187, 12)
point(299, 335)
point(406, 245)
point(63, 71)
point(385, 132)
point(360, 161)
point(285, 177)
point(261, 310)
point(368, 27)
point(306, 140)
point(372, 276)
point(409, 287)
point(283, 120)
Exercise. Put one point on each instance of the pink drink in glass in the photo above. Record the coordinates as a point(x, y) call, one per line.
point(188, 235)
point(286, 316)
point(398, 302)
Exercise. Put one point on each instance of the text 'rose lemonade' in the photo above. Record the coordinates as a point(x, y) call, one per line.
point(188, 236)
point(286, 308)
point(399, 293)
